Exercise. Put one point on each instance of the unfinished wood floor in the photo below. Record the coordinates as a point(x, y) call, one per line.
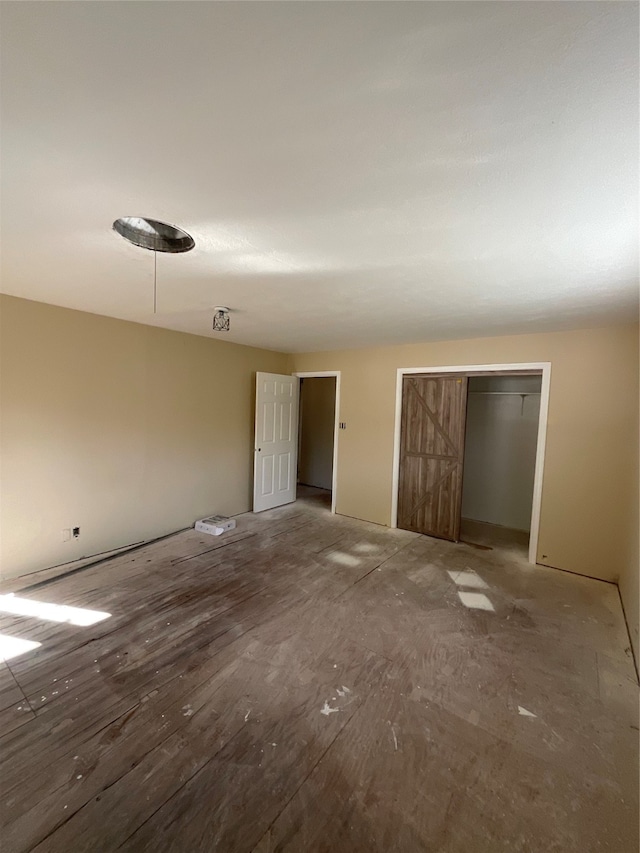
point(314, 683)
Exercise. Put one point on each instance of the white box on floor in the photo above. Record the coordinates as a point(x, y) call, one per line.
point(215, 524)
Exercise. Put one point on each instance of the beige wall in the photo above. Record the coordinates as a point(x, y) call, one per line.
point(317, 423)
point(588, 523)
point(629, 581)
point(127, 431)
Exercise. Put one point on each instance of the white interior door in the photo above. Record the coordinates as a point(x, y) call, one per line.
point(276, 440)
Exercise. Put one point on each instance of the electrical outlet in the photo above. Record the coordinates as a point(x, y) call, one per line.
point(76, 532)
point(66, 534)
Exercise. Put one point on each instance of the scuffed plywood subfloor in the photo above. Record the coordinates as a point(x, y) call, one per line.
point(314, 683)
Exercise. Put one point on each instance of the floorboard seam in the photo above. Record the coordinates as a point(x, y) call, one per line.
point(102, 790)
point(129, 710)
point(373, 652)
point(366, 575)
point(636, 663)
point(177, 791)
point(216, 547)
point(19, 686)
point(332, 545)
point(126, 550)
point(72, 749)
point(307, 776)
point(130, 769)
point(288, 530)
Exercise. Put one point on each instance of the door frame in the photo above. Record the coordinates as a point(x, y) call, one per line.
point(320, 374)
point(543, 367)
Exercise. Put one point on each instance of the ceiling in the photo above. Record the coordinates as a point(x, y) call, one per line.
point(352, 173)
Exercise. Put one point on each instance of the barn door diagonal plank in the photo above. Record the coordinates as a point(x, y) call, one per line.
point(433, 417)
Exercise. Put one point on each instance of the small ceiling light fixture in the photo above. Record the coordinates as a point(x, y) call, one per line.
point(221, 320)
point(155, 236)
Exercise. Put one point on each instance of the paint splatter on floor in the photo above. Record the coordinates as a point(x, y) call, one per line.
point(524, 713)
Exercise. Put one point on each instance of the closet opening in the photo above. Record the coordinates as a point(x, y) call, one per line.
point(469, 453)
point(500, 445)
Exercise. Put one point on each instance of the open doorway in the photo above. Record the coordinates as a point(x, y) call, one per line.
point(501, 437)
point(279, 433)
point(316, 439)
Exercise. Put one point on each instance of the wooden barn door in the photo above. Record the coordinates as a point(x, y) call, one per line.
point(434, 411)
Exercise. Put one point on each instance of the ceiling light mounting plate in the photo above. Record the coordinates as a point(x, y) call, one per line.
point(153, 235)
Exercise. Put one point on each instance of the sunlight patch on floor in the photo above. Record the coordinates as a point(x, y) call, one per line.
point(365, 548)
point(50, 612)
point(475, 600)
point(11, 647)
point(469, 578)
point(343, 559)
